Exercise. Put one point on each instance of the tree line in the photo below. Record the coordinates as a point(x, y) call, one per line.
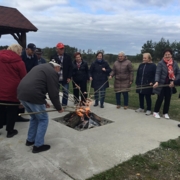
point(154, 48)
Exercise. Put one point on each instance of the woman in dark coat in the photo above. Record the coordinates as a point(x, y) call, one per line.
point(12, 70)
point(145, 77)
point(99, 72)
point(80, 76)
point(166, 72)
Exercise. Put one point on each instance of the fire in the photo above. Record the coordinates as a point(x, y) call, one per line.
point(85, 109)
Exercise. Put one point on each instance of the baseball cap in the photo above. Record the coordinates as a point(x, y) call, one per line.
point(38, 51)
point(54, 63)
point(31, 46)
point(60, 45)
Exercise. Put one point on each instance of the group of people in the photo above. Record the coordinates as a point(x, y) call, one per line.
point(160, 80)
point(26, 78)
point(25, 83)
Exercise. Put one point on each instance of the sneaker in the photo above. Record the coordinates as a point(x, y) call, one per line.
point(118, 106)
point(95, 105)
point(125, 107)
point(148, 112)
point(166, 116)
point(28, 143)
point(156, 115)
point(139, 110)
point(41, 148)
point(11, 133)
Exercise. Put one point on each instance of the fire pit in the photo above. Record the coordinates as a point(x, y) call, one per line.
point(82, 118)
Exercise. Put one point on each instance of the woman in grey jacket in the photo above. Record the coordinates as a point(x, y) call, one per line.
point(166, 72)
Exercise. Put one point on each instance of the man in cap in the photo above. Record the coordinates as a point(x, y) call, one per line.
point(31, 92)
point(65, 73)
point(30, 59)
point(38, 52)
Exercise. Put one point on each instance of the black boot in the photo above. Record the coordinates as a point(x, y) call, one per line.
point(102, 106)
point(12, 133)
point(96, 103)
point(41, 148)
point(28, 143)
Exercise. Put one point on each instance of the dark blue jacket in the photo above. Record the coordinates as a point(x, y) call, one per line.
point(29, 62)
point(99, 76)
point(81, 74)
point(41, 61)
point(145, 76)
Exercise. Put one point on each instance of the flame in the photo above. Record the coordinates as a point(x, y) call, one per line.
point(85, 109)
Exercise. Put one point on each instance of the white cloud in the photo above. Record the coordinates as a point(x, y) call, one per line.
point(105, 24)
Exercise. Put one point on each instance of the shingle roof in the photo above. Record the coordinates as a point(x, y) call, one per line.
point(12, 20)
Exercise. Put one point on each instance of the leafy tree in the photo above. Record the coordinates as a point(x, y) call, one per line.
point(148, 47)
point(160, 47)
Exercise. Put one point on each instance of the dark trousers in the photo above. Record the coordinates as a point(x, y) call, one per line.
point(166, 96)
point(8, 115)
point(99, 95)
point(148, 101)
point(65, 89)
point(82, 90)
point(118, 98)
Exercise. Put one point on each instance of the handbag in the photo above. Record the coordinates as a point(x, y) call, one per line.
point(174, 90)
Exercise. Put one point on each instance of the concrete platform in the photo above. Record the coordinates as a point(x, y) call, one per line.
point(80, 155)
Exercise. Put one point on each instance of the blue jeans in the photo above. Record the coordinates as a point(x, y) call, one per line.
point(65, 89)
point(38, 123)
point(118, 98)
point(100, 94)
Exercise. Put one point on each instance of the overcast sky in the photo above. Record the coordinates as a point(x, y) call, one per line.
point(111, 25)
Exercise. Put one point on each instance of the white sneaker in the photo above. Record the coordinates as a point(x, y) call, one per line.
point(139, 110)
point(156, 115)
point(148, 112)
point(166, 116)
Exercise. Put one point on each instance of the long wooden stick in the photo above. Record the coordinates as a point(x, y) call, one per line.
point(52, 110)
point(30, 113)
point(89, 88)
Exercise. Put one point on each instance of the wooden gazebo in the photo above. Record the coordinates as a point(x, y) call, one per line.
point(14, 23)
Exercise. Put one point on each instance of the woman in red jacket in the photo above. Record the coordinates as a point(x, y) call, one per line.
point(12, 70)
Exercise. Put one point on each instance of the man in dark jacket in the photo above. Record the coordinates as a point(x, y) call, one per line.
point(31, 92)
point(64, 60)
point(41, 60)
point(30, 59)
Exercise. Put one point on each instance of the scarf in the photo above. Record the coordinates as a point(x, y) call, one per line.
point(169, 65)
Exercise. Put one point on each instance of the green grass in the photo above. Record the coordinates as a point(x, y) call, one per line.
point(159, 164)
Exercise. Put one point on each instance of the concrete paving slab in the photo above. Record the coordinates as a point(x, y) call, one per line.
point(80, 155)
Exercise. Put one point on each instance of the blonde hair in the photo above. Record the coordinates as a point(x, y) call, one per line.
point(15, 48)
point(148, 55)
